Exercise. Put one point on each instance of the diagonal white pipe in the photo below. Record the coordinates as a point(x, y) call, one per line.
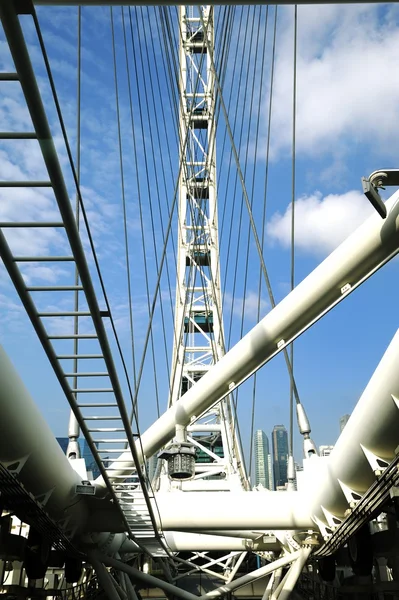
point(357, 258)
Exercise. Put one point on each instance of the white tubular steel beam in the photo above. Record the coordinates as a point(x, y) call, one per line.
point(104, 577)
point(372, 245)
point(242, 510)
point(29, 449)
point(149, 580)
point(182, 541)
point(293, 575)
point(371, 433)
point(250, 577)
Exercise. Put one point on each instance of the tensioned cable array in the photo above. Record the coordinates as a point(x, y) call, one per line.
point(145, 81)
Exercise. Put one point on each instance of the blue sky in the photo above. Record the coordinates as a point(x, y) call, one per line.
point(347, 106)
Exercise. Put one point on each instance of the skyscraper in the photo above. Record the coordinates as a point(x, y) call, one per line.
point(92, 469)
point(280, 455)
point(342, 422)
point(325, 450)
point(262, 460)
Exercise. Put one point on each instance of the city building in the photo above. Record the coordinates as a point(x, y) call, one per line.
point(262, 460)
point(325, 450)
point(152, 467)
point(280, 455)
point(63, 442)
point(342, 422)
point(91, 466)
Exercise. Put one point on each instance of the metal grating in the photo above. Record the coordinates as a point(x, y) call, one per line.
point(19, 500)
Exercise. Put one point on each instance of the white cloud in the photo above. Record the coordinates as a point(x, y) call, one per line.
point(321, 223)
point(347, 93)
point(247, 305)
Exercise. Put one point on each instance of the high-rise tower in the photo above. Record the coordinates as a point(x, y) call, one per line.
point(263, 475)
point(342, 422)
point(280, 455)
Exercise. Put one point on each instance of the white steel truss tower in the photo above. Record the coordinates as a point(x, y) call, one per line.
point(199, 339)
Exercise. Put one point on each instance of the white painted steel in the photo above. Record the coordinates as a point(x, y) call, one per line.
point(104, 578)
point(374, 424)
point(249, 577)
point(357, 258)
point(240, 510)
point(373, 427)
point(182, 541)
point(293, 575)
point(237, 565)
point(198, 290)
point(137, 575)
point(28, 445)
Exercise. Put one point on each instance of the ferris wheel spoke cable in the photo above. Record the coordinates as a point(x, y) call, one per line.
point(248, 234)
point(158, 281)
point(265, 188)
point(232, 87)
point(166, 140)
point(158, 195)
point(241, 135)
point(161, 541)
point(122, 176)
point(174, 106)
point(159, 270)
point(72, 417)
point(123, 197)
point(151, 154)
point(253, 225)
point(247, 38)
point(83, 210)
point(233, 180)
point(294, 100)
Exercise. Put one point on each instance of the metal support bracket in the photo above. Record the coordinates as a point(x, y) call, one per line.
point(351, 496)
point(379, 179)
point(376, 463)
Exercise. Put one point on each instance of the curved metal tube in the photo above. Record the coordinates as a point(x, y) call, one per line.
point(29, 449)
point(365, 251)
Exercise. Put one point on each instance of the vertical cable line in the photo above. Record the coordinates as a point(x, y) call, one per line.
point(269, 120)
point(245, 172)
point(168, 52)
point(165, 187)
point(126, 239)
point(263, 53)
point(291, 437)
point(153, 153)
point(75, 365)
point(161, 541)
point(253, 225)
point(230, 236)
point(234, 68)
point(146, 274)
point(166, 140)
point(158, 281)
point(241, 133)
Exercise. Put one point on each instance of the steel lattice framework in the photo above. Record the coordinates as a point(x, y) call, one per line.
point(199, 341)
